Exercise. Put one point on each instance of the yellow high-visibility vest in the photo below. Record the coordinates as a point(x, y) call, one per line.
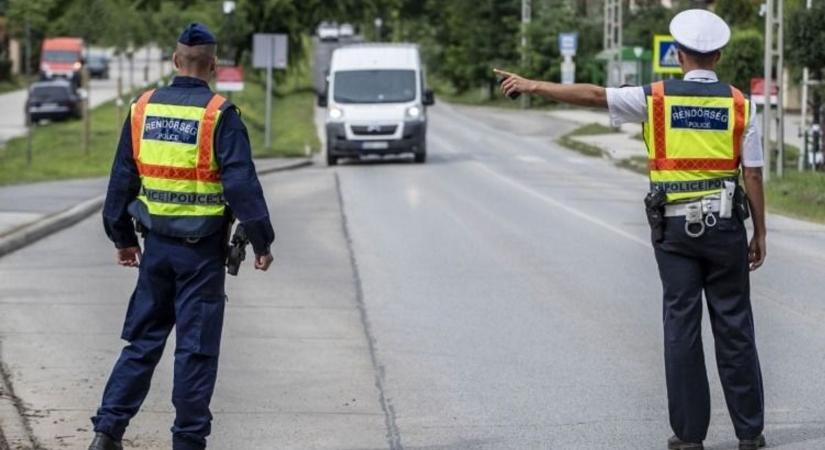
point(694, 135)
point(173, 148)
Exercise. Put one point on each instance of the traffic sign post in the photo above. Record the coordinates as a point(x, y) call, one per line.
point(665, 59)
point(568, 44)
point(229, 78)
point(758, 92)
point(269, 51)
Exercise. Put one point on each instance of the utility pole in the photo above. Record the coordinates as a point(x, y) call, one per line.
point(774, 68)
point(87, 119)
point(27, 72)
point(803, 127)
point(613, 41)
point(526, 16)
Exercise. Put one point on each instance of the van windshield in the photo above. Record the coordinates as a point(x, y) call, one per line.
point(374, 86)
point(63, 56)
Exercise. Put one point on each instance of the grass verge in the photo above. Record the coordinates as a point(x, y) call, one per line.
point(57, 148)
point(569, 141)
point(12, 85)
point(800, 195)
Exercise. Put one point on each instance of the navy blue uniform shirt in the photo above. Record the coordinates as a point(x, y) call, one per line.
point(241, 187)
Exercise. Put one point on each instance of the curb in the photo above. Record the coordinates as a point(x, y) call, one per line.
point(49, 225)
point(303, 162)
point(33, 232)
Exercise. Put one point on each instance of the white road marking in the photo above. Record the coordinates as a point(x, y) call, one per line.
point(548, 199)
point(529, 159)
point(569, 209)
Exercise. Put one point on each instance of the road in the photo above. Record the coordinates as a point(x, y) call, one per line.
point(13, 120)
point(502, 296)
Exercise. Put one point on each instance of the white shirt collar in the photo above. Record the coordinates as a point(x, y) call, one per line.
point(702, 76)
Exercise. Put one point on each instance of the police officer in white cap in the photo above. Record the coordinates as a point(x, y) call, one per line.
point(699, 133)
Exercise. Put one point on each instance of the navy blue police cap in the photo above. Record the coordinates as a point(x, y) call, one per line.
point(196, 34)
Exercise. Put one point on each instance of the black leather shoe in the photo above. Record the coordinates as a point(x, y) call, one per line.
point(674, 443)
point(104, 442)
point(752, 444)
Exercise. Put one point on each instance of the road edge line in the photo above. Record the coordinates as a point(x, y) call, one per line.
point(14, 428)
point(393, 434)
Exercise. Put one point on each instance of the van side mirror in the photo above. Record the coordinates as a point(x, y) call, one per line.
point(322, 99)
point(429, 97)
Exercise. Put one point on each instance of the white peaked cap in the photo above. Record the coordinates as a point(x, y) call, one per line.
point(700, 30)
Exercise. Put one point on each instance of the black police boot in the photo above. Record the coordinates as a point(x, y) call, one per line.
point(752, 444)
point(104, 442)
point(674, 443)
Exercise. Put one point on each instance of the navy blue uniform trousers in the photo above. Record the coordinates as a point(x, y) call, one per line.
point(180, 285)
point(716, 263)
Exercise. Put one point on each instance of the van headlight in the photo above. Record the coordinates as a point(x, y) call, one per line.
point(336, 113)
point(414, 112)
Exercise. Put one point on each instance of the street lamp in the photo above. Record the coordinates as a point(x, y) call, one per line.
point(378, 24)
point(228, 7)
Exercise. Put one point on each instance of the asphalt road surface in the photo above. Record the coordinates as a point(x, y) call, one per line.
point(13, 118)
point(501, 296)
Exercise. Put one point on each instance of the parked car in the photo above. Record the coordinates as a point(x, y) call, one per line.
point(98, 65)
point(53, 100)
point(376, 102)
point(346, 30)
point(62, 57)
point(328, 31)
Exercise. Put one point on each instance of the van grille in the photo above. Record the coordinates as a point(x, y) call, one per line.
point(374, 130)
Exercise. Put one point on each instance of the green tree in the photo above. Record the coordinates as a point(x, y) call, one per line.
point(805, 33)
point(644, 23)
point(742, 59)
point(739, 13)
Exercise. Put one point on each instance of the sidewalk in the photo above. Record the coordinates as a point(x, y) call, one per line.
point(29, 212)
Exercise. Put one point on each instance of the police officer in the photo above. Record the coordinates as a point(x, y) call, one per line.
point(699, 132)
point(183, 156)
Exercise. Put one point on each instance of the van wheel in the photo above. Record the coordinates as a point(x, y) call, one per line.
point(421, 156)
point(331, 160)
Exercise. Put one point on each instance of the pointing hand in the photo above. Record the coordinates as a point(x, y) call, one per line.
point(513, 83)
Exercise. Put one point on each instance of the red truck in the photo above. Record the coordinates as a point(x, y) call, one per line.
point(62, 57)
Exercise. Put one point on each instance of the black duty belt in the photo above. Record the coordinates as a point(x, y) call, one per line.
point(691, 186)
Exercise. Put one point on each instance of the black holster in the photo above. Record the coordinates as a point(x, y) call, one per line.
point(655, 210)
point(741, 206)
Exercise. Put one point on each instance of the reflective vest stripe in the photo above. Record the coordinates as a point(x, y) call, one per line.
point(738, 122)
point(657, 91)
point(138, 116)
point(694, 164)
point(178, 173)
point(206, 140)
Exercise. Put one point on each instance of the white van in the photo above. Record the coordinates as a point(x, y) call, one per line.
point(376, 101)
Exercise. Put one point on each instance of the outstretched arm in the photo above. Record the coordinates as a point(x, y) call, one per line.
point(574, 94)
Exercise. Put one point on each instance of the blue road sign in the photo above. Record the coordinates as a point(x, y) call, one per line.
point(665, 59)
point(568, 43)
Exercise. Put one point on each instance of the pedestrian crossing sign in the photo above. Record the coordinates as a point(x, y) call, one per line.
point(665, 59)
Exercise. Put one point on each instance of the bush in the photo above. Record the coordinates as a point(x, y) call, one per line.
point(742, 59)
point(5, 69)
